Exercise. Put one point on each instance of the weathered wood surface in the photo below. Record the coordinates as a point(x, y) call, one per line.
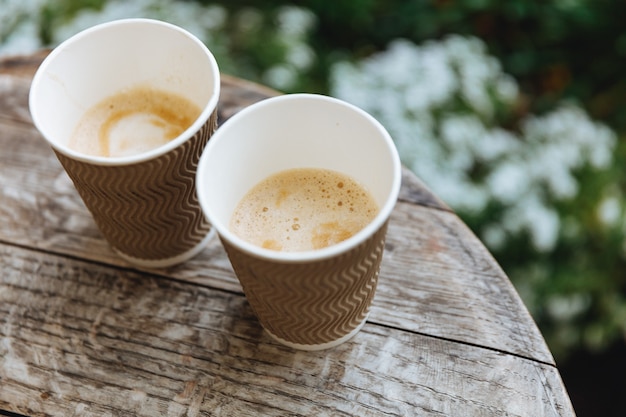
point(83, 333)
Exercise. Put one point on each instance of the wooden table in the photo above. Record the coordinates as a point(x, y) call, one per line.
point(84, 334)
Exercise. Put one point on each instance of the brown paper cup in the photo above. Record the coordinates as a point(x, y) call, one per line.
point(314, 304)
point(148, 211)
point(312, 299)
point(145, 205)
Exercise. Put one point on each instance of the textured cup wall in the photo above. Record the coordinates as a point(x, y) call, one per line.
point(315, 302)
point(147, 210)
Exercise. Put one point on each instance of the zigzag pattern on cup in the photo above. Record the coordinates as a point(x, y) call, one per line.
point(312, 303)
point(147, 210)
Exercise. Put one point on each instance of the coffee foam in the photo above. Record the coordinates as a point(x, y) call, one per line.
point(133, 121)
point(303, 209)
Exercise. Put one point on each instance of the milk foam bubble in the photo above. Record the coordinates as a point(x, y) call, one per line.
point(303, 209)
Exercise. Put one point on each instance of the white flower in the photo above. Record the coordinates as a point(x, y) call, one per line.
point(531, 214)
point(610, 210)
point(23, 40)
point(416, 91)
point(281, 77)
point(295, 21)
point(565, 307)
point(508, 182)
point(194, 17)
point(496, 144)
point(494, 236)
point(19, 26)
point(213, 17)
point(506, 89)
point(300, 56)
point(86, 18)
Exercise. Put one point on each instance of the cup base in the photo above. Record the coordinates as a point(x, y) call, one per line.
point(320, 346)
point(165, 262)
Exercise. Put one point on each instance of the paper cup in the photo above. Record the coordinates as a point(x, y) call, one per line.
point(145, 205)
point(313, 299)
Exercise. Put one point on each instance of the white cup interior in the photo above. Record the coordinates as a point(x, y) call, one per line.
point(296, 131)
point(110, 57)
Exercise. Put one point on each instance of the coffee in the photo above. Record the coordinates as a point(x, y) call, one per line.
point(303, 209)
point(133, 121)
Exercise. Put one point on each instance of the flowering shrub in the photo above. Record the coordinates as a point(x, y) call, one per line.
point(272, 48)
point(517, 181)
point(19, 32)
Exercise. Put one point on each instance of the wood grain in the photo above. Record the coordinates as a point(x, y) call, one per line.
point(80, 339)
point(83, 333)
point(453, 283)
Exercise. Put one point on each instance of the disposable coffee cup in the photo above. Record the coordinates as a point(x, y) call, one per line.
point(311, 299)
point(145, 204)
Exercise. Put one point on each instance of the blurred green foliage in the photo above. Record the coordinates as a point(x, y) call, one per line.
point(557, 50)
point(554, 48)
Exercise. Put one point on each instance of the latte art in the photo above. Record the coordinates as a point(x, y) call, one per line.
point(133, 121)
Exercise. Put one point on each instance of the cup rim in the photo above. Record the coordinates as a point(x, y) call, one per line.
point(207, 109)
point(309, 255)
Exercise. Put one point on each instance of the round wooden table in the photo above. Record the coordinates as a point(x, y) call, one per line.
point(82, 333)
